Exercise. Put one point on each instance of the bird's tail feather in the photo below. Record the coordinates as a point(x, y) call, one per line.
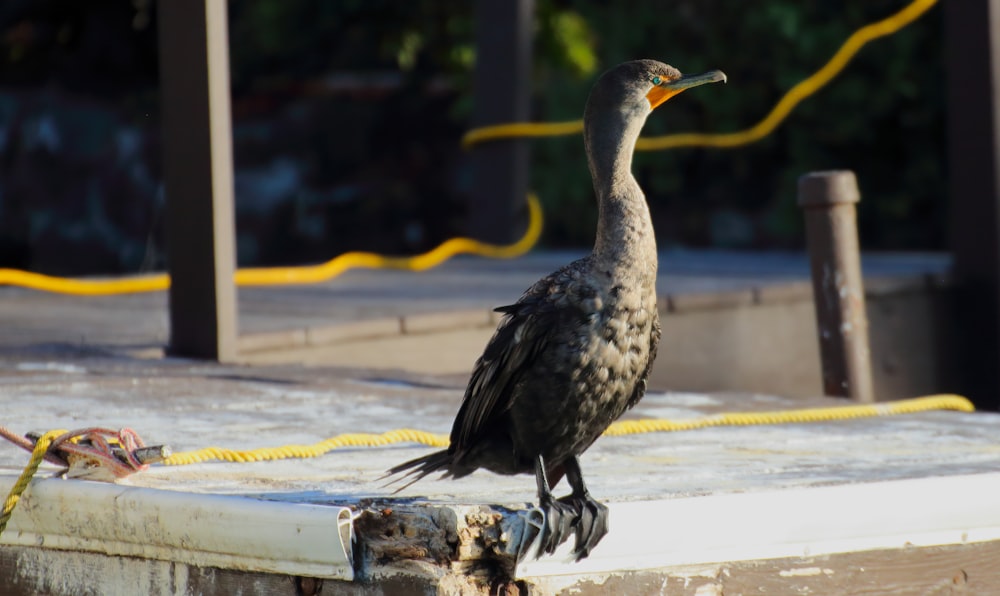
point(418, 468)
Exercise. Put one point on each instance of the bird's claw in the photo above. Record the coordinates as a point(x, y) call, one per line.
point(581, 515)
point(560, 520)
point(591, 524)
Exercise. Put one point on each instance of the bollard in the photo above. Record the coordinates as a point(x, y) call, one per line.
point(828, 200)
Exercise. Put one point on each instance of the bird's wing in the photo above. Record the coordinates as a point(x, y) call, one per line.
point(654, 342)
point(521, 335)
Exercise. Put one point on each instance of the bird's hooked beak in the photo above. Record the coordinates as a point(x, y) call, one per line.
point(667, 89)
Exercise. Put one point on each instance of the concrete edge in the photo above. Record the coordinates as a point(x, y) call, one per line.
point(205, 530)
point(428, 323)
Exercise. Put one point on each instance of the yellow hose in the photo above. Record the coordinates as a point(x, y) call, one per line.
point(622, 427)
point(353, 260)
point(291, 275)
point(520, 129)
point(84, 287)
point(781, 110)
point(797, 93)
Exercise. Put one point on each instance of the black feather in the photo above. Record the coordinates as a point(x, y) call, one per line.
point(419, 468)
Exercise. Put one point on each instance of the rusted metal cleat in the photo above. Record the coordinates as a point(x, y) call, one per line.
point(100, 454)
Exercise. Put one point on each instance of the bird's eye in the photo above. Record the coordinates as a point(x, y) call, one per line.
point(657, 80)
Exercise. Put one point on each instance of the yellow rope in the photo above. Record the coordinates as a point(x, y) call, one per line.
point(403, 435)
point(781, 110)
point(291, 275)
point(37, 455)
point(407, 435)
point(622, 427)
point(908, 406)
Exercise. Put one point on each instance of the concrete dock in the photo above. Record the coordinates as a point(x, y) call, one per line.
point(897, 504)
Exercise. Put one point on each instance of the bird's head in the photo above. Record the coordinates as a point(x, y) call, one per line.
point(643, 85)
point(656, 82)
point(619, 103)
point(664, 81)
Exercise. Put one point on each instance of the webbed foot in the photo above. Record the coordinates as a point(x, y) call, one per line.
point(591, 523)
point(560, 520)
point(573, 514)
point(576, 513)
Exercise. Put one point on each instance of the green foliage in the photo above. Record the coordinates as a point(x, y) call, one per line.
point(566, 38)
point(882, 117)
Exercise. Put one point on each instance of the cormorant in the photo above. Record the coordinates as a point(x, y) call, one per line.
point(575, 351)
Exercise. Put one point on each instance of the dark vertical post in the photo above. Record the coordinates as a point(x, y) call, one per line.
point(501, 93)
point(828, 199)
point(198, 174)
point(972, 68)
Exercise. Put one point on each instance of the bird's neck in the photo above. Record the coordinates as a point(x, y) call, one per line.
point(624, 227)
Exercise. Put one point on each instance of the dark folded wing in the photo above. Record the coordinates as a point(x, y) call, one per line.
point(522, 334)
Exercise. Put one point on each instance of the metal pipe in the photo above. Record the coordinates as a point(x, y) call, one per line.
point(198, 177)
point(828, 200)
point(501, 94)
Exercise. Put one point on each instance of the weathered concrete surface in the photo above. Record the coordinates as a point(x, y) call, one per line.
point(190, 405)
point(450, 536)
point(729, 322)
point(746, 320)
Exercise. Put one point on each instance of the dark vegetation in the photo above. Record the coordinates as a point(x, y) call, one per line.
point(347, 117)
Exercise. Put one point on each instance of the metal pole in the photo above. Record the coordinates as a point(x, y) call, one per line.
point(501, 94)
point(198, 175)
point(828, 199)
point(972, 68)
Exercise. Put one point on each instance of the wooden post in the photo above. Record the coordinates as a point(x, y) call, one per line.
point(198, 175)
point(502, 90)
point(828, 199)
point(972, 70)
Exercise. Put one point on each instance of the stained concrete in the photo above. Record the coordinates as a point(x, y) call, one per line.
point(190, 405)
point(75, 362)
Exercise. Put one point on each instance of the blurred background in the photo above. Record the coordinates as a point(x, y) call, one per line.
point(347, 118)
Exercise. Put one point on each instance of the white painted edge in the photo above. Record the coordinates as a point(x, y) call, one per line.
point(800, 522)
point(229, 532)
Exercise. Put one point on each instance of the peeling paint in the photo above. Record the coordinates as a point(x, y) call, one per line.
point(463, 549)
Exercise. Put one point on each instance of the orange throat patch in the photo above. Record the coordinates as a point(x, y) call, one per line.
point(657, 95)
